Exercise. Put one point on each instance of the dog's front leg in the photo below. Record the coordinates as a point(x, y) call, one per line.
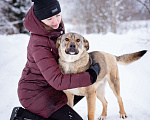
point(91, 99)
point(70, 97)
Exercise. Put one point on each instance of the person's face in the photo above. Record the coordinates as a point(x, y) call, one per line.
point(53, 21)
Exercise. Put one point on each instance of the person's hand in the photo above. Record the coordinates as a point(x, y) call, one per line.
point(94, 71)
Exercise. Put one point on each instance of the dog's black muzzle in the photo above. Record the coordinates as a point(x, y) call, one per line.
point(72, 49)
point(72, 46)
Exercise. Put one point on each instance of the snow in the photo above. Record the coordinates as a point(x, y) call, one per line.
point(134, 78)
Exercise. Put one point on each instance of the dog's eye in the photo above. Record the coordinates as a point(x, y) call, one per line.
point(67, 39)
point(78, 40)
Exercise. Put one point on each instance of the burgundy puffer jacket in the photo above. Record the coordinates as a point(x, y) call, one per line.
point(40, 87)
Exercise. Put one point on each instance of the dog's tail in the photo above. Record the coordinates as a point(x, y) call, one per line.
point(129, 58)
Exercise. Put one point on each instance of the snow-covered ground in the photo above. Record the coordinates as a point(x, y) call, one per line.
point(134, 78)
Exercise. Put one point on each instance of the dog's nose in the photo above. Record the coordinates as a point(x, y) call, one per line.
point(72, 45)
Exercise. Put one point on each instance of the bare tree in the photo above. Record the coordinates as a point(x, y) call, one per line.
point(146, 4)
point(114, 19)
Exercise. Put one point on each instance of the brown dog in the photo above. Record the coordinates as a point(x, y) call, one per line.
point(74, 58)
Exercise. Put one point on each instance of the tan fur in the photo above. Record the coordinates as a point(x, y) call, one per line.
point(80, 62)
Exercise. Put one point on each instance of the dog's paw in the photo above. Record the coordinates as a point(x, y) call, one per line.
point(102, 118)
point(123, 116)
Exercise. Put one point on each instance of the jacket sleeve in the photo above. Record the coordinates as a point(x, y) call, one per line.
point(51, 71)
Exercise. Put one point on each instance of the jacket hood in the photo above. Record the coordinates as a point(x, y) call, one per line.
point(33, 25)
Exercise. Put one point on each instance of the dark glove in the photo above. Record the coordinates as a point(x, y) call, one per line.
point(94, 71)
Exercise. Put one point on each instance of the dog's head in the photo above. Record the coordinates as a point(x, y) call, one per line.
point(72, 44)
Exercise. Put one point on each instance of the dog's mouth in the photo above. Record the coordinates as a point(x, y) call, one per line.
point(71, 51)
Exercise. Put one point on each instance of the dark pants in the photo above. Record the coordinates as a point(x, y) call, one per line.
point(66, 112)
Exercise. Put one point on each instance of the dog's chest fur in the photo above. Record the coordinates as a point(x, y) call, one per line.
point(75, 67)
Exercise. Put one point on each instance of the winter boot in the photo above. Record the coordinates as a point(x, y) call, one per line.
point(19, 113)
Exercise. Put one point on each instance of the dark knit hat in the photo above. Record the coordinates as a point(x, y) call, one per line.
point(44, 9)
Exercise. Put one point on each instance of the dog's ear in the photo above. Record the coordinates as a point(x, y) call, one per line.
point(58, 41)
point(86, 44)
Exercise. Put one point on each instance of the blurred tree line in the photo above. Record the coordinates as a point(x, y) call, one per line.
point(12, 13)
point(102, 16)
point(97, 16)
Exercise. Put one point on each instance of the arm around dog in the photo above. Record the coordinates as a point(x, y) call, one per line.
point(51, 71)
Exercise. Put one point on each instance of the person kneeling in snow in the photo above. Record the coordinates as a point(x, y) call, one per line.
point(40, 87)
